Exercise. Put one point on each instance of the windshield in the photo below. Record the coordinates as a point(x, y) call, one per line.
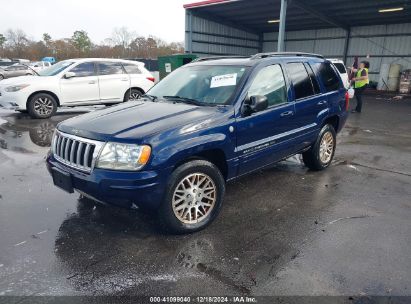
point(202, 83)
point(55, 69)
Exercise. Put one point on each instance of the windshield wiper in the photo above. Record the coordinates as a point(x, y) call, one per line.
point(151, 97)
point(185, 100)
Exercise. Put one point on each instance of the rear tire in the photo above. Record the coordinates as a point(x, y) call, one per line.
point(321, 154)
point(132, 95)
point(42, 105)
point(1, 77)
point(193, 199)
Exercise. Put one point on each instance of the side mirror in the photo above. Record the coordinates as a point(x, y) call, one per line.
point(254, 104)
point(69, 75)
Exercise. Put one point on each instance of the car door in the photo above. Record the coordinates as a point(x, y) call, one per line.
point(11, 71)
point(21, 70)
point(262, 136)
point(83, 87)
point(333, 87)
point(310, 104)
point(114, 82)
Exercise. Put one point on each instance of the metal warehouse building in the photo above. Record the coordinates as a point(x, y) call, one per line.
point(334, 28)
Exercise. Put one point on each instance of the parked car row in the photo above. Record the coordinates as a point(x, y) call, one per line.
point(76, 82)
point(15, 71)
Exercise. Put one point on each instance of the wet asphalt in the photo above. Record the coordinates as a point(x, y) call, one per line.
point(282, 231)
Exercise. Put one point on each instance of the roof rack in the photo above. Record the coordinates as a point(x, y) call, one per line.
point(219, 57)
point(273, 54)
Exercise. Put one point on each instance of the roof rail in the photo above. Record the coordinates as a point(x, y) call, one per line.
point(273, 54)
point(218, 57)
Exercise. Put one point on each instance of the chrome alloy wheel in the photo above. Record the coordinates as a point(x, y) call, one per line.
point(194, 198)
point(326, 147)
point(134, 95)
point(43, 106)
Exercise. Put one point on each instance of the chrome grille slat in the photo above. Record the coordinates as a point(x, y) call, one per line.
point(66, 148)
point(78, 160)
point(73, 149)
point(76, 152)
point(62, 146)
point(86, 155)
point(58, 143)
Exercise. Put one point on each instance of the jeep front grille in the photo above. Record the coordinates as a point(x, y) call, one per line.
point(77, 152)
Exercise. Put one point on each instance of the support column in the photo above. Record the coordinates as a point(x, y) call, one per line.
point(260, 42)
point(281, 32)
point(189, 42)
point(346, 44)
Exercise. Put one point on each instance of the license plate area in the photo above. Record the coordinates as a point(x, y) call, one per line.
point(62, 180)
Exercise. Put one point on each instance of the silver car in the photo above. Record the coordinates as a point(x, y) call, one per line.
point(15, 70)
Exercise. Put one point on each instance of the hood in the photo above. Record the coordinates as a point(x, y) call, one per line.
point(135, 120)
point(23, 79)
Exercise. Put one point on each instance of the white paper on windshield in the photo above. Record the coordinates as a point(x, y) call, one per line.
point(223, 80)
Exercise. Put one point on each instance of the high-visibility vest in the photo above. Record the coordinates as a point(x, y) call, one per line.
point(361, 83)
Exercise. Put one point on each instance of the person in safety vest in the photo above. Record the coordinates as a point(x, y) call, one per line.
point(361, 81)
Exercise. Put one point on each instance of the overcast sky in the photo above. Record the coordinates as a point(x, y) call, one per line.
point(60, 18)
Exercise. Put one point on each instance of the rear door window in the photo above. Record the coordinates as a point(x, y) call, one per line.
point(84, 69)
point(110, 68)
point(327, 75)
point(301, 80)
point(314, 79)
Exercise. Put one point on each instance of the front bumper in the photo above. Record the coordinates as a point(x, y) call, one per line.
point(9, 105)
point(143, 189)
point(13, 100)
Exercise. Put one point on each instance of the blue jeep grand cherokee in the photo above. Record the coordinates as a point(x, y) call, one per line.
point(207, 123)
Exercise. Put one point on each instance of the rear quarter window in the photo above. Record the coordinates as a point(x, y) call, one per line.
point(328, 76)
point(131, 68)
point(340, 67)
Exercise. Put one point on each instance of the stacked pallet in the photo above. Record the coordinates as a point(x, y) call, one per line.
point(405, 82)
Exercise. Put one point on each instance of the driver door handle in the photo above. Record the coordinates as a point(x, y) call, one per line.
point(288, 113)
point(91, 82)
point(322, 102)
point(124, 79)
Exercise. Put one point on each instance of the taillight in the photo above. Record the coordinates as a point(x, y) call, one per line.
point(347, 101)
point(151, 79)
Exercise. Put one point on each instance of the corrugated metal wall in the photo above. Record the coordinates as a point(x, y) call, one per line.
point(212, 38)
point(384, 43)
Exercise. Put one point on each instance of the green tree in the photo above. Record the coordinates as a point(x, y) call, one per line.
point(17, 41)
point(2, 40)
point(81, 41)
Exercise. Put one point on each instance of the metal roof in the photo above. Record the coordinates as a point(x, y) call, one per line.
point(254, 15)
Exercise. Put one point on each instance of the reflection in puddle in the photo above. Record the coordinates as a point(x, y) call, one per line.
point(20, 133)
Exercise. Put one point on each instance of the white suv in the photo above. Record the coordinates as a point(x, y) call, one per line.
point(76, 82)
point(339, 64)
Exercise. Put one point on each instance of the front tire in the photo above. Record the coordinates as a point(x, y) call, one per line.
point(321, 154)
point(42, 105)
point(193, 198)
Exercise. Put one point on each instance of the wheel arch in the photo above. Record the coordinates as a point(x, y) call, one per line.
point(134, 88)
point(334, 121)
point(216, 156)
point(43, 92)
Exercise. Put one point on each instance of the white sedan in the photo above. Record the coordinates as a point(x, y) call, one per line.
point(76, 82)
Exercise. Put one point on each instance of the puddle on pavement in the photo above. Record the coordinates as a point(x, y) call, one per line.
point(20, 133)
